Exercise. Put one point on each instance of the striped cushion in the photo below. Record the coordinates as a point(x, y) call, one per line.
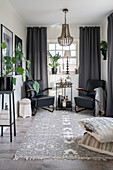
point(100, 127)
point(91, 143)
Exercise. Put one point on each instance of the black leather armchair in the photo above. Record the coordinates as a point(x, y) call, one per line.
point(39, 100)
point(87, 99)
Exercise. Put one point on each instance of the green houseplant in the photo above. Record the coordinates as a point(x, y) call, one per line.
point(54, 61)
point(10, 62)
point(104, 48)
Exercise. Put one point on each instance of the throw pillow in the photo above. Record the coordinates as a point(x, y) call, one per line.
point(93, 144)
point(100, 127)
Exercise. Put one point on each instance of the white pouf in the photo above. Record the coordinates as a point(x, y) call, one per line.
point(25, 108)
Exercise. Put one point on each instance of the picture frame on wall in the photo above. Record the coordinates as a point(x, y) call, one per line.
point(17, 40)
point(7, 37)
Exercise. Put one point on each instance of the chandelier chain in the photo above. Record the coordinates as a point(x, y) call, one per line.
point(65, 17)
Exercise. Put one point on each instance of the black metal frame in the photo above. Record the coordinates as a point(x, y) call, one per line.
point(64, 86)
point(10, 113)
point(83, 110)
point(79, 110)
point(45, 108)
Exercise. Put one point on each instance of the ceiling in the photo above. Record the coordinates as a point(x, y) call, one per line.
point(49, 12)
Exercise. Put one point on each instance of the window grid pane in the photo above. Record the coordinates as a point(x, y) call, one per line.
point(52, 52)
point(51, 46)
point(58, 47)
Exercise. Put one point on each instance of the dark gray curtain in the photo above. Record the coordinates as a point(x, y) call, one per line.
point(89, 55)
point(37, 53)
point(109, 111)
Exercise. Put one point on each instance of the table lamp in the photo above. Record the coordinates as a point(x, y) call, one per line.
point(67, 54)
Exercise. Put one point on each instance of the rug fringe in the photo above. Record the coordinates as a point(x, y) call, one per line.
point(77, 158)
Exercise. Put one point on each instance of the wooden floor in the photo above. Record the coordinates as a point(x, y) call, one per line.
point(7, 151)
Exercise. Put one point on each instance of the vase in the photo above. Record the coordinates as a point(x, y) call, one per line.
point(6, 83)
point(54, 70)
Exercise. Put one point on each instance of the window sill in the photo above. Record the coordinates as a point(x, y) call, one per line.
point(63, 74)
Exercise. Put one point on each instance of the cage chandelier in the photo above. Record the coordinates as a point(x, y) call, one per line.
point(65, 39)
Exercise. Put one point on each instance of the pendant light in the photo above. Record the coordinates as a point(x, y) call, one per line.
point(65, 39)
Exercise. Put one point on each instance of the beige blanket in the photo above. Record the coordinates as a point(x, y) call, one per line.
point(100, 101)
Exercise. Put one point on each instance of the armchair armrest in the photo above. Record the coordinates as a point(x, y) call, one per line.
point(29, 93)
point(30, 90)
point(81, 89)
point(47, 89)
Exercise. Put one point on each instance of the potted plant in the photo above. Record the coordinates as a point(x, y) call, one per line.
point(54, 62)
point(104, 47)
point(6, 81)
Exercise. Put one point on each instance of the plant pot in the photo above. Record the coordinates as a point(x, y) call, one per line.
point(6, 83)
point(54, 70)
point(104, 53)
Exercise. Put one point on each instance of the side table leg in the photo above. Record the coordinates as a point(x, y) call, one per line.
point(56, 97)
point(10, 118)
point(2, 101)
point(1, 130)
point(14, 115)
point(71, 99)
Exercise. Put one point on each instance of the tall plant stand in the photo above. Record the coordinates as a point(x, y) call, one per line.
point(8, 122)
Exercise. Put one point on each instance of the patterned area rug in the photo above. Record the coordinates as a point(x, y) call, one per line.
point(55, 136)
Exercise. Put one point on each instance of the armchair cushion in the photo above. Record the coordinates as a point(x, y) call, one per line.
point(85, 101)
point(44, 100)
